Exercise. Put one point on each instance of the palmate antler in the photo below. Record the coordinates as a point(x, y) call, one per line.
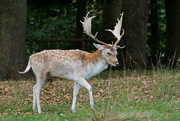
point(87, 28)
point(116, 32)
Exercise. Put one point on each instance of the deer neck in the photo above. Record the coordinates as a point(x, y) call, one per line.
point(94, 63)
point(93, 57)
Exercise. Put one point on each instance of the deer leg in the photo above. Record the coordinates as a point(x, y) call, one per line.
point(85, 84)
point(75, 92)
point(34, 99)
point(41, 81)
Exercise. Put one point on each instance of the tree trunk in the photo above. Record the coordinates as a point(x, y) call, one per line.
point(154, 38)
point(135, 21)
point(81, 12)
point(172, 31)
point(111, 13)
point(12, 37)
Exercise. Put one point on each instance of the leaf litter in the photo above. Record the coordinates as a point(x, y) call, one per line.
point(60, 92)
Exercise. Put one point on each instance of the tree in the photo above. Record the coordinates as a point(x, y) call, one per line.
point(172, 29)
point(12, 37)
point(154, 38)
point(81, 11)
point(112, 11)
point(135, 22)
point(135, 25)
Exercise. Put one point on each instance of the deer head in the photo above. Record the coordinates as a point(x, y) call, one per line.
point(109, 51)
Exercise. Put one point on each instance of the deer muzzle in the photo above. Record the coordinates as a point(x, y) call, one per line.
point(115, 63)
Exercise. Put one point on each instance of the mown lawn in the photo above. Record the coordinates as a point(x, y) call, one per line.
point(146, 95)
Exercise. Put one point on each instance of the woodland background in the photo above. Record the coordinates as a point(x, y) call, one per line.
point(151, 27)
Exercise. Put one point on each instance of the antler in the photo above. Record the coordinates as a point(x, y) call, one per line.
point(87, 28)
point(116, 32)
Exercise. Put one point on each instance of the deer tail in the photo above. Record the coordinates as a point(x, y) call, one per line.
point(27, 68)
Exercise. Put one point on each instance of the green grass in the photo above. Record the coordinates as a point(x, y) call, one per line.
point(140, 110)
point(121, 110)
point(147, 95)
point(52, 113)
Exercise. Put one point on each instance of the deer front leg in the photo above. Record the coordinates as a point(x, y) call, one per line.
point(75, 93)
point(85, 84)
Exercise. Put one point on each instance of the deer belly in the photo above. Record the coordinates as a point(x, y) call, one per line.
point(62, 70)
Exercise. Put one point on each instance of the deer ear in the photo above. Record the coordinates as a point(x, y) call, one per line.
point(98, 46)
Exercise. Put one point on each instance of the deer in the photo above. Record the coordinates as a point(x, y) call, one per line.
point(75, 65)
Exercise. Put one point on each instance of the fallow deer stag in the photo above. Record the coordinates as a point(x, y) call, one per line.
point(75, 65)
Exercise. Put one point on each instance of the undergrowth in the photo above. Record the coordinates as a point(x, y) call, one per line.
point(128, 95)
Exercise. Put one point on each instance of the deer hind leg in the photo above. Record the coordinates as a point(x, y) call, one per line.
point(41, 81)
point(85, 84)
point(34, 99)
point(75, 93)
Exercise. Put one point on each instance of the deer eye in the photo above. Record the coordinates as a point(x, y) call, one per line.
point(109, 54)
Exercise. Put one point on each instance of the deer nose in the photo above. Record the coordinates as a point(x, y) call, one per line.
point(116, 63)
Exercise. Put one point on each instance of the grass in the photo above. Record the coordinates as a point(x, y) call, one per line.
point(140, 110)
point(130, 95)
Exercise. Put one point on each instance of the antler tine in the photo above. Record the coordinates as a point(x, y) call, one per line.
point(87, 28)
point(118, 40)
point(116, 32)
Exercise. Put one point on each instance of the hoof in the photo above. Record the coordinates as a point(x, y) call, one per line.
point(73, 111)
point(35, 110)
point(40, 112)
